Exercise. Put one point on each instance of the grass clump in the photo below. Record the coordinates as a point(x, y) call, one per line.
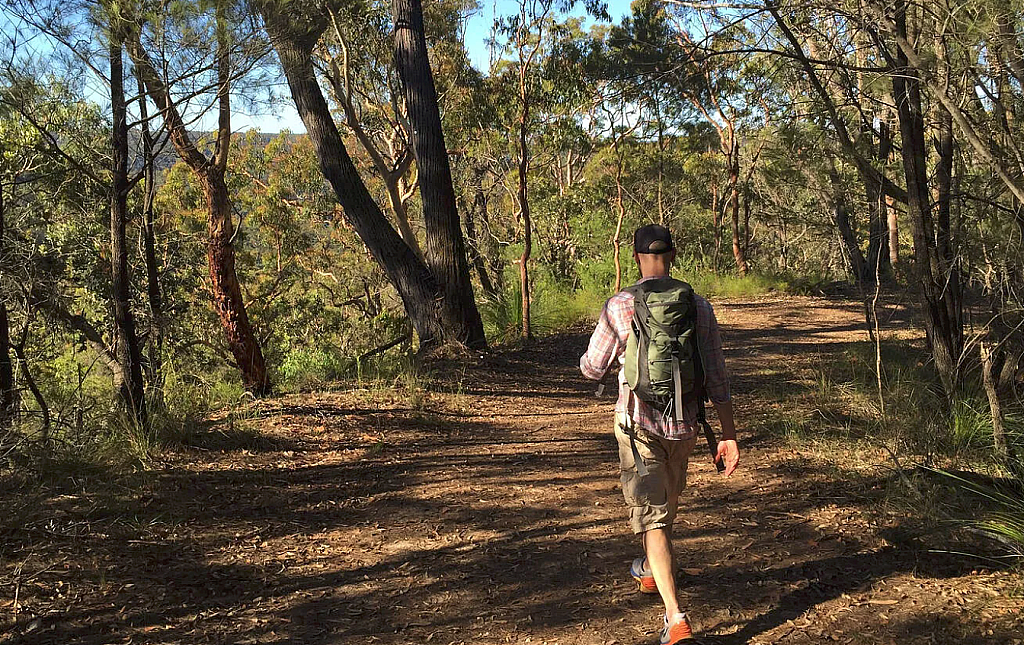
point(730, 285)
point(551, 309)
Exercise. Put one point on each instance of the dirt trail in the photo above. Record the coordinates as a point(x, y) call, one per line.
point(493, 515)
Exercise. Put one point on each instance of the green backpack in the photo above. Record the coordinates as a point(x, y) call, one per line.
point(662, 362)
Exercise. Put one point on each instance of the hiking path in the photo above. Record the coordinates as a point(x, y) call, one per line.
point(491, 513)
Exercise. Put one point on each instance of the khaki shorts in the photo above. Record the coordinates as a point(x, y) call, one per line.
point(654, 498)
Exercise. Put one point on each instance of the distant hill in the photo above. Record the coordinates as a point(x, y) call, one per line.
point(167, 157)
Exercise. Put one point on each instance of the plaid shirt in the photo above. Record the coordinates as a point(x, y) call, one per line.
point(609, 343)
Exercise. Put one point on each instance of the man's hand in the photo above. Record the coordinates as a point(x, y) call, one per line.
point(729, 454)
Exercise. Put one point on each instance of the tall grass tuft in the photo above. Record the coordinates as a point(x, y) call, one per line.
point(502, 313)
point(1005, 522)
point(729, 285)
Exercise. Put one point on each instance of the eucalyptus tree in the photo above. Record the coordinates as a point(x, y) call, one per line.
point(358, 63)
point(132, 390)
point(446, 253)
point(295, 31)
point(197, 53)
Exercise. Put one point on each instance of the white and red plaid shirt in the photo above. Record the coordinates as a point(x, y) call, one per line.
point(608, 343)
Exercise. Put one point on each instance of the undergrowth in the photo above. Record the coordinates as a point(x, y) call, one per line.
point(912, 427)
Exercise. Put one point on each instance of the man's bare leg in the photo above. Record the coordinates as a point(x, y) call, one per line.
point(658, 547)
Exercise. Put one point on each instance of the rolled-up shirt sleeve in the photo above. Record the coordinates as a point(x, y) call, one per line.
point(716, 377)
point(605, 346)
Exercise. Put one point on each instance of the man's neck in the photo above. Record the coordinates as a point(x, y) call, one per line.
point(655, 274)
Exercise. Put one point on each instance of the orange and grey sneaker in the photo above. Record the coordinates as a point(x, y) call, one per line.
point(676, 630)
point(643, 575)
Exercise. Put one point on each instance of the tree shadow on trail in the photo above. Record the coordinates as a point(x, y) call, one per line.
point(459, 527)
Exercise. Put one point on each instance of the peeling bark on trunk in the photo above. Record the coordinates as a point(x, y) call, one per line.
point(445, 250)
point(132, 389)
point(225, 289)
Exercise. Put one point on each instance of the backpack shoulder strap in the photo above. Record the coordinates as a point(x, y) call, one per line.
point(639, 292)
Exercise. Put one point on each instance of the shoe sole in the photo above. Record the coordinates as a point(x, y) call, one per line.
point(647, 588)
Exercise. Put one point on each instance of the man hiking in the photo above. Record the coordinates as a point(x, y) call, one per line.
point(666, 339)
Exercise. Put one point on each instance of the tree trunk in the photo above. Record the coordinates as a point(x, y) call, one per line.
point(892, 215)
point(878, 224)
point(948, 271)
point(907, 93)
point(716, 224)
point(524, 204)
point(226, 292)
point(988, 378)
point(445, 252)
point(397, 204)
point(620, 209)
point(473, 240)
point(8, 391)
point(132, 388)
point(855, 262)
point(26, 373)
point(225, 289)
point(734, 206)
point(293, 39)
point(154, 294)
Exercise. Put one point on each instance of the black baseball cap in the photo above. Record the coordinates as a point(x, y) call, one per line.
point(652, 238)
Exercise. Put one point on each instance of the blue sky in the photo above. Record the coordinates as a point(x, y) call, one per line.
point(478, 30)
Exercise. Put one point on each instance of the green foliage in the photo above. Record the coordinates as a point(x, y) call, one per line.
point(735, 286)
point(306, 369)
point(1003, 517)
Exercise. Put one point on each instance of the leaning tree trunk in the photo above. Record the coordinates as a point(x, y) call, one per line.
point(445, 252)
point(855, 263)
point(8, 392)
point(293, 39)
point(225, 289)
point(938, 326)
point(988, 379)
point(226, 292)
point(132, 388)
